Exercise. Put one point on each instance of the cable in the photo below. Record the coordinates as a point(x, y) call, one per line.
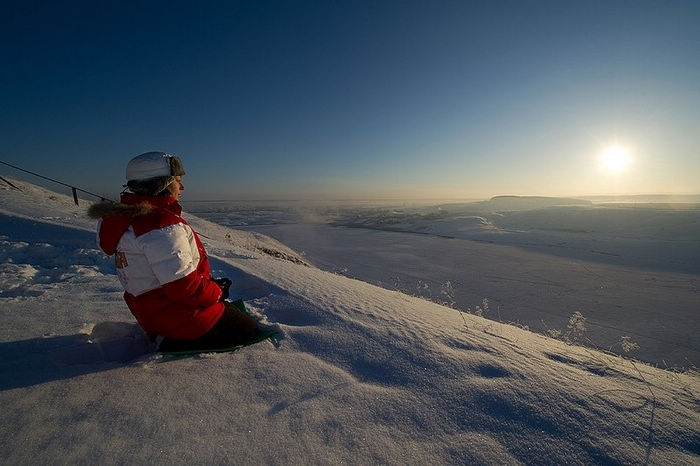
point(73, 188)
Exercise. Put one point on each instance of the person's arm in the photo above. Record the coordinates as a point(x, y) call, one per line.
point(194, 289)
point(172, 253)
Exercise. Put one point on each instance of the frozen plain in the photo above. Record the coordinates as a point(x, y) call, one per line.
point(631, 270)
point(363, 375)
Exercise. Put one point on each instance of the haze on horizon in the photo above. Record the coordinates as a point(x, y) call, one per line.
point(358, 100)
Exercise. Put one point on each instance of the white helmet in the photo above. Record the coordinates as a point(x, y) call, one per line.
point(153, 165)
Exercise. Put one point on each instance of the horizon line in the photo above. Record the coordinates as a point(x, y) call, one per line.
point(453, 199)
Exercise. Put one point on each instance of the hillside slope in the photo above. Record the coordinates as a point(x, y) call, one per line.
point(362, 374)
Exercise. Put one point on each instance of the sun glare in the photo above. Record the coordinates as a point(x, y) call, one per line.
point(614, 160)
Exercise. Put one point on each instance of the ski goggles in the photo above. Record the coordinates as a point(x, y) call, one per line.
point(176, 167)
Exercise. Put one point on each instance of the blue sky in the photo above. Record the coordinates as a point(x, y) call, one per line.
point(352, 99)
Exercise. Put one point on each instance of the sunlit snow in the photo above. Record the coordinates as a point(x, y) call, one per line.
point(362, 374)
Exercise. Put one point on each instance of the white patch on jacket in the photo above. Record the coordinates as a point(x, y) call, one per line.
point(155, 258)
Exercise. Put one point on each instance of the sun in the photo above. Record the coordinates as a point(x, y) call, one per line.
point(615, 159)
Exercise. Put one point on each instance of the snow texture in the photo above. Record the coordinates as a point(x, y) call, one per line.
point(631, 270)
point(362, 375)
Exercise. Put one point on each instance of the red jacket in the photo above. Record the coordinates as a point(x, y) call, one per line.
point(162, 265)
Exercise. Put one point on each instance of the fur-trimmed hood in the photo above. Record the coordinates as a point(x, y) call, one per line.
point(139, 212)
point(107, 208)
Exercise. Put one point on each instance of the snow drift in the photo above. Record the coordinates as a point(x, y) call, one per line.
point(363, 375)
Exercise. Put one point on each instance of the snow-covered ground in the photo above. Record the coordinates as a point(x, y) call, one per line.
point(632, 270)
point(363, 375)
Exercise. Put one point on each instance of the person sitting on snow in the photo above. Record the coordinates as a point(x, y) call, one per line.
point(162, 263)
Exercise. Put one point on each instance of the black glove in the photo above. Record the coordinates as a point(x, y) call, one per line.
point(224, 284)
